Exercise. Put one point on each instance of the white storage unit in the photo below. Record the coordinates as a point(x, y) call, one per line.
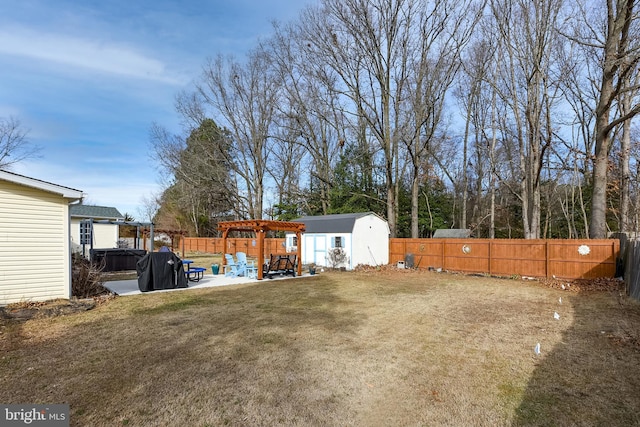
point(356, 238)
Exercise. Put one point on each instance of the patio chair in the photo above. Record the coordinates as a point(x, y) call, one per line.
point(231, 267)
point(241, 262)
point(245, 268)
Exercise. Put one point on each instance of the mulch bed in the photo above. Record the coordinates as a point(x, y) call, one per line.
point(35, 310)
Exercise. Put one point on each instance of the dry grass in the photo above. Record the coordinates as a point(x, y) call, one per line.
point(366, 348)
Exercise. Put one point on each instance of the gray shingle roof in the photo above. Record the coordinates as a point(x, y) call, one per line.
point(338, 223)
point(452, 233)
point(95, 212)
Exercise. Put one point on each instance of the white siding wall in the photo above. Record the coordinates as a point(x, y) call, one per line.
point(75, 235)
point(370, 241)
point(34, 245)
point(105, 236)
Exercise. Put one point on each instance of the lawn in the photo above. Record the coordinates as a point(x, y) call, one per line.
point(342, 348)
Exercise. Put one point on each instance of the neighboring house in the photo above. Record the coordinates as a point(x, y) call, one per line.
point(35, 251)
point(104, 235)
point(356, 239)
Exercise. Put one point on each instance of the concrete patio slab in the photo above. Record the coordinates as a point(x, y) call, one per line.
point(130, 287)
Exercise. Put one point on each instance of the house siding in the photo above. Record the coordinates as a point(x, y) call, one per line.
point(34, 244)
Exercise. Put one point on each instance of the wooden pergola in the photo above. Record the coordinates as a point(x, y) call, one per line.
point(260, 228)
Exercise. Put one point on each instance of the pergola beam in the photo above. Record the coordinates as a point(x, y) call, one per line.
point(260, 227)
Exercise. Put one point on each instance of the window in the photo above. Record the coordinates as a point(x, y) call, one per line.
point(85, 232)
point(337, 242)
point(294, 241)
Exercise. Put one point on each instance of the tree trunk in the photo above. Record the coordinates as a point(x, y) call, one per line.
point(619, 60)
point(598, 223)
point(415, 195)
point(465, 195)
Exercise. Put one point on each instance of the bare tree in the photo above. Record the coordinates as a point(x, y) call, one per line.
point(472, 100)
point(625, 105)
point(387, 57)
point(528, 88)
point(362, 43)
point(579, 71)
point(441, 31)
point(310, 114)
point(244, 98)
point(608, 38)
point(14, 145)
point(148, 208)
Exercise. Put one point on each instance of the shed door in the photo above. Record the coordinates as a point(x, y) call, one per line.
point(320, 249)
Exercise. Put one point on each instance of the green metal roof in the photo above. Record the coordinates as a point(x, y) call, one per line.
point(95, 212)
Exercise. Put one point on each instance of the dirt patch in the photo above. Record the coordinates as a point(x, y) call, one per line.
point(601, 284)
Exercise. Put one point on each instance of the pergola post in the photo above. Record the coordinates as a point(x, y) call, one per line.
point(260, 234)
point(224, 247)
point(299, 250)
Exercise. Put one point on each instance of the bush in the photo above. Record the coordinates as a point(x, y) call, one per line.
point(337, 257)
point(86, 278)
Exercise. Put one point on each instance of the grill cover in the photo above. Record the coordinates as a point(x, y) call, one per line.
point(160, 270)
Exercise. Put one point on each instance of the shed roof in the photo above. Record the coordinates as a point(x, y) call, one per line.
point(452, 233)
point(96, 212)
point(337, 223)
point(66, 192)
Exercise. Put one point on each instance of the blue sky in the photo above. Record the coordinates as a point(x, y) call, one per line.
point(87, 79)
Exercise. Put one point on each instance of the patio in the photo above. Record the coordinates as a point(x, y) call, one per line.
point(130, 287)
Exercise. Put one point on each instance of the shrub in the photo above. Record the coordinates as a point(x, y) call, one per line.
point(86, 278)
point(337, 257)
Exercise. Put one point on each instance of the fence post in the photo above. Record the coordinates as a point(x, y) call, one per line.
point(490, 256)
point(546, 258)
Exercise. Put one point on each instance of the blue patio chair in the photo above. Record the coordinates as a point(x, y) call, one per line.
point(244, 267)
point(231, 267)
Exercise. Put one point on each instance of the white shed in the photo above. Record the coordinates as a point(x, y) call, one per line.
point(363, 239)
point(104, 235)
point(35, 252)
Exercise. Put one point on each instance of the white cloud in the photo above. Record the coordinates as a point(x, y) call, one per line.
point(74, 52)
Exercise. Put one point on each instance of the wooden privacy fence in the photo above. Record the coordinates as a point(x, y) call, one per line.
point(241, 244)
point(567, 259)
